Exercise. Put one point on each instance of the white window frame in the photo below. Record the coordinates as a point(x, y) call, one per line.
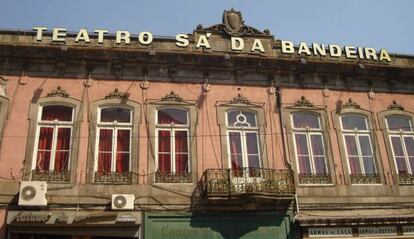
point(356, 133)
point(172, 128)
point(400, 134)
point(243, 130)
point(308, 132)
point(56, 125)
point(114, 126)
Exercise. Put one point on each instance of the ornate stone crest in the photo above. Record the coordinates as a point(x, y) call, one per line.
point(351, 104)
point(233, 25)
point(395, 106)
point(58, 92)
point(303, 102)
point(240, 99)
point(116, 94)
point(172, 96)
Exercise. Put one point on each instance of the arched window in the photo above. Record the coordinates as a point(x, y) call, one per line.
point(309, 143)
point(53, 139)
point(172, 133)
point(243, 141)
point(401, 136)
point(113, 144)
point(358, 144)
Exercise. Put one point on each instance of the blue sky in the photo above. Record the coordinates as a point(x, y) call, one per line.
point(365, 23)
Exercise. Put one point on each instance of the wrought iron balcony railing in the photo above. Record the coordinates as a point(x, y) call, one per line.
point(314, 178)
point(170, 177)
point(222, 182)
point(51, 176)
point(406, 179)
point(113, 178)
point(365, 178)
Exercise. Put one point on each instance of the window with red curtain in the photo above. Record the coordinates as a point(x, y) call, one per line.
point(53, 138)
point(358, 144)
point(172, 141)
point(243, 142)
point(114, 128)
point(309, 143)
point(401, 136)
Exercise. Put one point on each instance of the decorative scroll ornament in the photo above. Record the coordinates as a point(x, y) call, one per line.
point(351, 104)
point(303, 102)
point(172, 96)
point(240, 99)
point(395, 106)
point(233, 25)
point(58, 92)
point(116, 94)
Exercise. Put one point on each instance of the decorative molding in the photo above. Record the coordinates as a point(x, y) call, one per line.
point(240, 99)
point(351, 104)
point(58, 92)
point(172, 96)
point(303, 102)
point(116, 94)
point(233, 25)
point(395, 106)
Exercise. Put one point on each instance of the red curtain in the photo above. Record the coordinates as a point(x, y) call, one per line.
point(44, 149)
point(62, 149)
point(105, 150)
point(164, 151)
point(303, 153)
point(168, 116)
point(59, 112)
point(123, 151)
point(181, 151)
point(352, 150)
point(236, 153)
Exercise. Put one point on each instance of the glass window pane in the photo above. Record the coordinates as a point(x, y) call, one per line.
point(105, 140)
point(123, 139)
point(365, 144)
point(397, 146)
point(254, 161)
point(320, 165)
point(61, 161)
point(239, 118)
point(369, 165)
point(354, 165)
point(63, 139)
point(45, 138)
point(306, 120)
point(122, 162)
point(43, 160)
point(250, 118)
point(118, 114)
point(164, 141)
point(181, 163)
point(354, 121)
point(59, 112)
point(104, 162)
point(301, 144)
point(411, 161)
point(172, 116)
point(164, 162)
point(401, 165)
point(409, 145)
point(317, 145)
point(235, 150)
point(231, 117)
point(304, 165)
point(396, 123)
point(181, 144)
point(350, 144)
point(252, 145)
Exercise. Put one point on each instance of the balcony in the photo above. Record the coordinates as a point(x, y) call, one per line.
point(259, 183)
point(176, 177)
point(406, 179)
point(365, 178)
point(51, 176)
point(113, 178)
point(314, 179)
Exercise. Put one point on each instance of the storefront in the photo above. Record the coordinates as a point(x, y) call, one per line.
point(218, 225)
point(73, 225)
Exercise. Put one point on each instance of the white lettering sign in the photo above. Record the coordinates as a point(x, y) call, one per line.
point(330, 232)
point(379, 231)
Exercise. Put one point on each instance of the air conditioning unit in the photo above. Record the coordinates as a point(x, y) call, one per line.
point(33, 193)
point(123, 201)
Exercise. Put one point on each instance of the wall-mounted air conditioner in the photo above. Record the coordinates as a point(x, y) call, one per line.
point(123, 201)
point(33, 193)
